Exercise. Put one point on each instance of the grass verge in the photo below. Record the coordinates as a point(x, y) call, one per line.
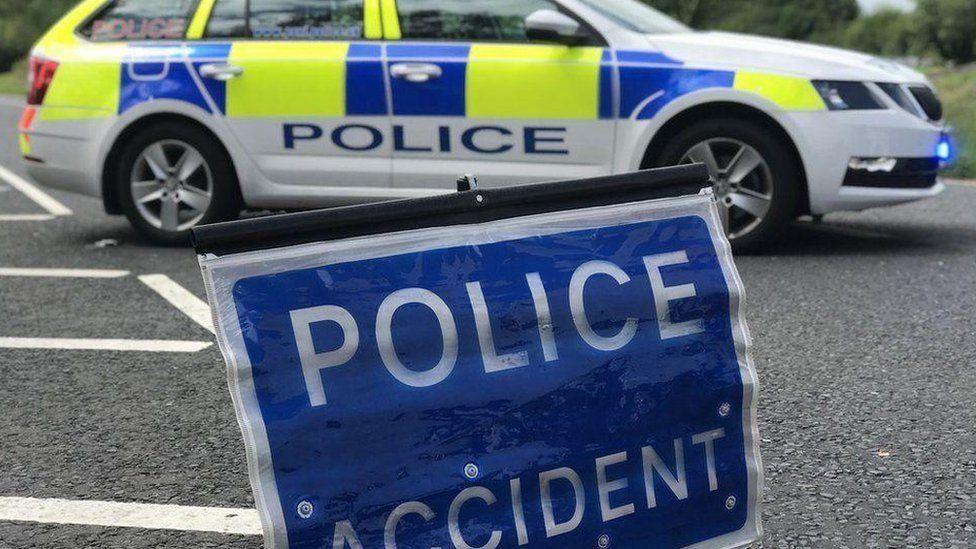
point(14, 81)
point(957, 88)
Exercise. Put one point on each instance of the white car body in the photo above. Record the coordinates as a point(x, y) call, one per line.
point(73, 152)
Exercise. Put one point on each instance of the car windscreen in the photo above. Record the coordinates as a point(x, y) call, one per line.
point(636, 16)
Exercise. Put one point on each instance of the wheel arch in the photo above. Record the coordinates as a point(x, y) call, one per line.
point(728, 109)
point(109, 169)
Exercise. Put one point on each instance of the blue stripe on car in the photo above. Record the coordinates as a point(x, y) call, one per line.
point(365, 89)
point(444, 96)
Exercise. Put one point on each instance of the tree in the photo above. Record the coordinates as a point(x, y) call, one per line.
point(22, 22)
point(950, 27)
point(887, 32)
point(794, 19)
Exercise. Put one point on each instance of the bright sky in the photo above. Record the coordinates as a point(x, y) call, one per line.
point(871, 5)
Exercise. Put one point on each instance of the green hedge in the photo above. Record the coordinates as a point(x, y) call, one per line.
point(14, 82)
point(945, 29)
point(22, 22)
point(957, 87)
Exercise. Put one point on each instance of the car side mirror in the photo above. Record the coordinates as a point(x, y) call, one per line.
point(552, 26)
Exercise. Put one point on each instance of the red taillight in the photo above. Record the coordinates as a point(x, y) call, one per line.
point(39, 79)
point(27, 119)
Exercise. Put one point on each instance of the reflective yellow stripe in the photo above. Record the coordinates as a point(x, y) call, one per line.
point(198, 25)
point(86, 84)
point(64, 114)
point(25, 146)
point(391, 20)
point(288, 79)
point(789, 92)
point(512, 81)
point(373, 25)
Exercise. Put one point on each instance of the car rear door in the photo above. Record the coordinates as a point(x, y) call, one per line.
point(472, 94)
point(305, 92)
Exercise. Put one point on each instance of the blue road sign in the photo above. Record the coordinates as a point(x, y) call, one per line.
point(568, 379)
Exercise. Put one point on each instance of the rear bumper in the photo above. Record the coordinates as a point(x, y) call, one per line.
point(61, 154)
point(64, 178)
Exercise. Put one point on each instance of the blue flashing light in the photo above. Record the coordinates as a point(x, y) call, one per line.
point(944, 150)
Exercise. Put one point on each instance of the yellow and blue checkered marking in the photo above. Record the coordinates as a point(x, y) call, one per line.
point(479, 81)
point(337, 79)
point(365, 82)
point(649, 81)
point(497, 81)
point(153, 73)
point(282, 79)
point(444, 96)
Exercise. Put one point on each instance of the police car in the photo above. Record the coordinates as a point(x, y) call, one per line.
point(183, 112)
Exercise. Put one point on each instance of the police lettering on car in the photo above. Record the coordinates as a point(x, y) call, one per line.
point(479, 139)
point(542, 366)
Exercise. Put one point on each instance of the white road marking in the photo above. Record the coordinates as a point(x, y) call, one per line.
point(243, 522)
point(962, 182)
point(126, 345)
point(42, 199)
point(62, 273)
point(27, 217)
point(181, 298)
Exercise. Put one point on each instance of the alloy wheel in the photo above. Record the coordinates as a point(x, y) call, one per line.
point(172, 185)
point(741, 179)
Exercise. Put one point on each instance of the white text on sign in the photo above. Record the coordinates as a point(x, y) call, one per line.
point(314, 362)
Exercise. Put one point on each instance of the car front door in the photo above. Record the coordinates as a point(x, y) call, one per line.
point(472, 94)
point(305, 92)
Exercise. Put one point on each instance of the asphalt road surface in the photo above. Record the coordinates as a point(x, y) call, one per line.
point(865, 342)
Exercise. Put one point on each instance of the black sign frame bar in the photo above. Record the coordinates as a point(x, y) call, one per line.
point(461, 208)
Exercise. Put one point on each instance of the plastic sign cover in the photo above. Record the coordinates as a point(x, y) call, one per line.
point(570, 379)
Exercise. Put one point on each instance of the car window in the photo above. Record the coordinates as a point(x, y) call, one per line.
point(475, 20)
point(141, 20)
point(228, 19)
point(287, 19)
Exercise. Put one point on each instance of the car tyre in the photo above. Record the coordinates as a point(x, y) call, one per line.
point(754, 175)
point(172, 177)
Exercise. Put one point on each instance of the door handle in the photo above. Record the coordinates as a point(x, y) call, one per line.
point(220, 71)
point(416, 73)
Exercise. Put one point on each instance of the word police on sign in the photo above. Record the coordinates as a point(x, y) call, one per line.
point(313, 361)
point(561, 365)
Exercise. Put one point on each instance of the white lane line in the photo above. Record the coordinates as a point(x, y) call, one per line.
point(181, 298)
point(62, 273)
point(27, 217)
point(125, 345)
point(243, 522)
point(42, 199)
